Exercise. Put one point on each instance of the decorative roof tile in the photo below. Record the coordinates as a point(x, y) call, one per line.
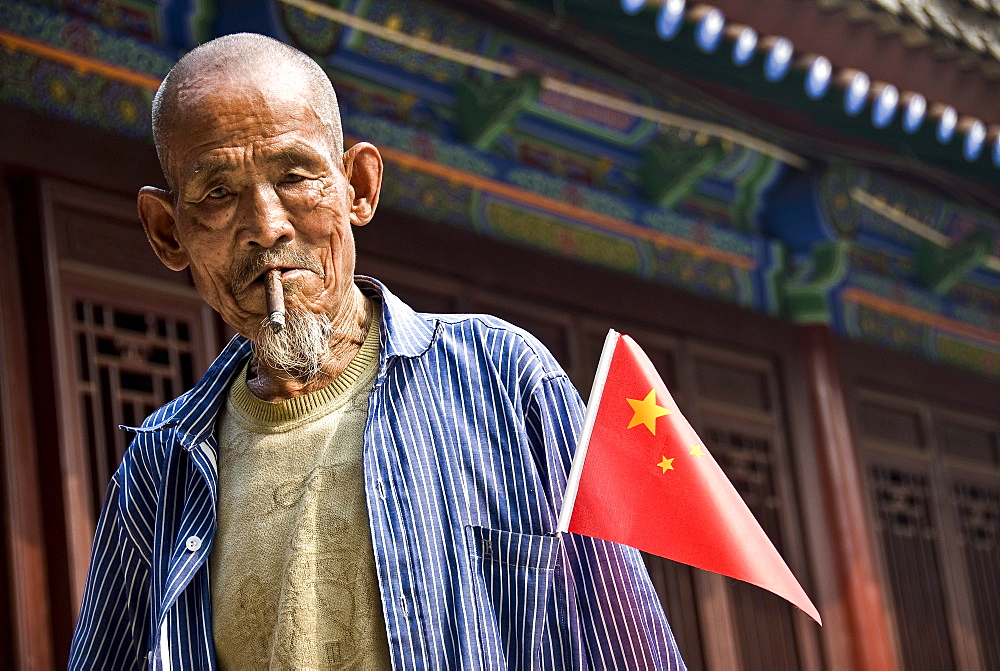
point(968, 30)
point(958, 31)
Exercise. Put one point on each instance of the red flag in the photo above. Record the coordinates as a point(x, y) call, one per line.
point(642, 477)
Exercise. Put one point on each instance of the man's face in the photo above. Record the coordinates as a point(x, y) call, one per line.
point(259, 185)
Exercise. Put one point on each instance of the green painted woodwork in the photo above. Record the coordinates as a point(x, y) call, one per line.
point(671, 168)
point(201, 20)
point(941, 268)
point(484, 110)
point(749, 191)
point(773, 275)
point(806, 295)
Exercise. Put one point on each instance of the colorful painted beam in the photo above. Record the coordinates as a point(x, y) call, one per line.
point(550, 173)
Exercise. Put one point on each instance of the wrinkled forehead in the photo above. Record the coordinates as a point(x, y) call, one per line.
point(234, 114)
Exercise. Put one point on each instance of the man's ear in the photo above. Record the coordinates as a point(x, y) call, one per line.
point(156, 210)
point(363, 166)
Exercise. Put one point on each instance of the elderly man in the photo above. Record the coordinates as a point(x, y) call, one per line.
point(365, 488)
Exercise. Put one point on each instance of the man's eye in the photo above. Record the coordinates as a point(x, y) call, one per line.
point(292, 178)
point(218, 192)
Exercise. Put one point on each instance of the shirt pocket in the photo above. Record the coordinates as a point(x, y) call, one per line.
point(517, 573)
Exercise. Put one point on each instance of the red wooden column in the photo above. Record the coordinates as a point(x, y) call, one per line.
point(29, 607)
point(864, 607)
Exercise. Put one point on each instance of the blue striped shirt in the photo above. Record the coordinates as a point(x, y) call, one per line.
point(469, 437)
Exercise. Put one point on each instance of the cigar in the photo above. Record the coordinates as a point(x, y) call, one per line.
point(275, 300)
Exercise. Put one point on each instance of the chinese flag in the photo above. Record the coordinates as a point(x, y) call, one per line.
point(642, 477)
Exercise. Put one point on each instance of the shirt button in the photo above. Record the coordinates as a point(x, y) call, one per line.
point(193, 543)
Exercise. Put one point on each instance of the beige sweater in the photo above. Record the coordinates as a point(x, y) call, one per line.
point(293, 577)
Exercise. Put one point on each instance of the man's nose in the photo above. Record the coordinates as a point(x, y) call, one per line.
point(267, 222)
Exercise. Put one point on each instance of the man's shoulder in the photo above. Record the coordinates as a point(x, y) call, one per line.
point(190, 416)
point(465, 337)
point(484, 326)
point(194, 408)
point(151, 439)
point(496, 339)
point(163, 418)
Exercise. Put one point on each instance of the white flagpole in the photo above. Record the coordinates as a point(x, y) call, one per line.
point(573, 482)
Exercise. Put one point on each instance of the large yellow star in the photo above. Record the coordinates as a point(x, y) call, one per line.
point(667, 464)
point(646, 411)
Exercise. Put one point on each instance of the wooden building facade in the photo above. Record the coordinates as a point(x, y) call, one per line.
point(813, 265)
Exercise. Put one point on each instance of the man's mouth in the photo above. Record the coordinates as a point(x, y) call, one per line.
point(291, 264)
point(287, 273)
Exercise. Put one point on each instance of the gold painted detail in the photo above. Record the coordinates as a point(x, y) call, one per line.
point(554, 235)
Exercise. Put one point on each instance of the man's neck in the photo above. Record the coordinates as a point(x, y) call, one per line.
point(350, 327)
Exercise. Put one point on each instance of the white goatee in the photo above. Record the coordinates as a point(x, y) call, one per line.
point(300, 349)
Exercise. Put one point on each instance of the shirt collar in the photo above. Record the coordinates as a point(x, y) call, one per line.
point(404, 333)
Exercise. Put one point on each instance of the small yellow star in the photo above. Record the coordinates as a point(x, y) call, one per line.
point(696, 451)
point(667, 464)
point(646, 411)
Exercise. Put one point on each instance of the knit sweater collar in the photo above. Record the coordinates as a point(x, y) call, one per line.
point(299, 406)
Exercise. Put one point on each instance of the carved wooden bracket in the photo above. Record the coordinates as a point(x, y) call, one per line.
point(486, 110)
point(671, 168)
point(805, 295)
point(941, 268)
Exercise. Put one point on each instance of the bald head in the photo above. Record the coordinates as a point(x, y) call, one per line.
point(241, 61)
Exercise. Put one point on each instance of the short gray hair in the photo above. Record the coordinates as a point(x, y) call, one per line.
point(242, 54)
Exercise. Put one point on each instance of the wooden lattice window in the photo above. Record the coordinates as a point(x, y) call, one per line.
point(128, 346)
point(128, 335)
point(764, 629)
point(129, 350)
point(978, 508)
point(934, 489)
point(905, 524)
point(740, 416)
point(129, 362)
